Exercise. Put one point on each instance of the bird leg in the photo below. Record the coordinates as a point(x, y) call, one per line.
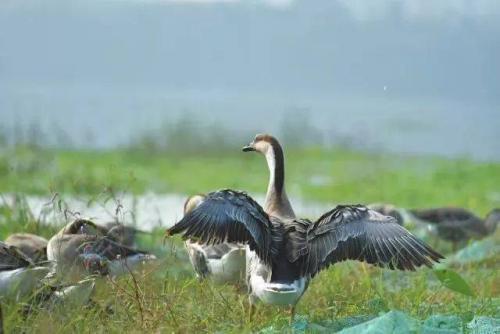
point(292, 314)
point(251, 311)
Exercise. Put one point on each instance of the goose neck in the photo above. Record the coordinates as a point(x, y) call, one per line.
point(492, 221)
point(276, 199)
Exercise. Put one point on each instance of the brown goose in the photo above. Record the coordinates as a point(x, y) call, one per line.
point(457, 225)
point(388, 210)
point(285, 252)
point(123, 234)
point(223, 263)
point(81, 248)
point(34, 246)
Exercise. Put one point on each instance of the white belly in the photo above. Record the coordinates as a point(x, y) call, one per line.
point(278, 293)
point(20, 282)
point(228, 269)
point(258, 277)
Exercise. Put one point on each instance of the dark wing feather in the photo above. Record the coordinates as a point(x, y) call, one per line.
point(107, 248)
point(12, 258)
point(357, 233)
point(229, 216)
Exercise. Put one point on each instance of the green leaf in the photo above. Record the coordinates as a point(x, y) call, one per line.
point(453, 281)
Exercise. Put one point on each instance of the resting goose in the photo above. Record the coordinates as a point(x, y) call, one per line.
point(456, 224)
point(285, 252)
point(223, 263)
point(80, 248)
point(51, 294)
point(34, 246)
point(388, 210)
point(123, 234)
point(19, 275)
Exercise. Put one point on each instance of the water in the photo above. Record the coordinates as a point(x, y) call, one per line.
point(146, 212)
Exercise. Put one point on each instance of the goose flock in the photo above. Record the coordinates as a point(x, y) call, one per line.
point(64, 269)
point(231, 239)
point(283, 252)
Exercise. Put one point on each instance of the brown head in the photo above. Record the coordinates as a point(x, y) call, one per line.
point(81, 226)
point(192, 202)
point(189, 205)
point(262, 143)
point(271, 149)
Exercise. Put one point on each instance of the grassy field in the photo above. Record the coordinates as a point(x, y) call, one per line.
point(168, 298)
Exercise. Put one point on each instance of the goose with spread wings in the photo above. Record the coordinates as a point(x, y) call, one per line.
point(284, 252)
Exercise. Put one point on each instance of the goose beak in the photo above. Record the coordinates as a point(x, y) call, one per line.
point(248, 148)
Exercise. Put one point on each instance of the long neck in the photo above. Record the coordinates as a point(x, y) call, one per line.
point(277, 202)
point(491, 222)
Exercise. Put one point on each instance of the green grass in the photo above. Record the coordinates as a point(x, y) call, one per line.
point(170, 299)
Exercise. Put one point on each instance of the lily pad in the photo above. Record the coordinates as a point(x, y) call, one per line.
point(484, 325)
point(442, 324)
point(453, 281)
point(392, 322)
point(477, 251)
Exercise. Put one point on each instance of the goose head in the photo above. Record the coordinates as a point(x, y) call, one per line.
point(262, 143)
point(81, 226)
point(269, 146)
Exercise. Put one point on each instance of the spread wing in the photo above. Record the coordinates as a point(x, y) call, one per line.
point(229, 216)
point(357, 233)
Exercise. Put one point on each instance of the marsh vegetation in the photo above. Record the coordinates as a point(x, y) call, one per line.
point(169, 298)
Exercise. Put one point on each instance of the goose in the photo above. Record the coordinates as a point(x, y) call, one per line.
point(457, 225)
point(123, 234)
point(32, 245)
point(388, 210)
point(285, 252)
point(80, 248)
point(52, 294)
point(19, 275)
point(223, 263)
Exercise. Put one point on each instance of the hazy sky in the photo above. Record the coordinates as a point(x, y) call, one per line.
point(405, 54)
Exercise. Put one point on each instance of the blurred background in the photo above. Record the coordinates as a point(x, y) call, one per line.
point(117, 110)
point(417, 77)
